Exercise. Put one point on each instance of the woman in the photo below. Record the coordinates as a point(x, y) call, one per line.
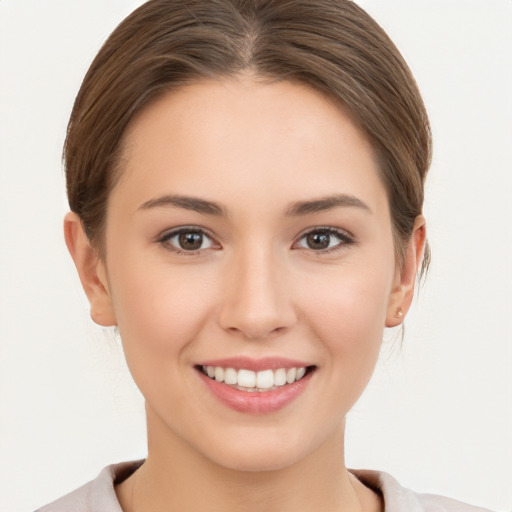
point(246, 186)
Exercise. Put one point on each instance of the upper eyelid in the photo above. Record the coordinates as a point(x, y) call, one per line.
point(330, 229)
point(169, 233)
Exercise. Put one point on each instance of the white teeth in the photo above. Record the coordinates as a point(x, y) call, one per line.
point(290, 375)
point(280, 377)
point(247, 380)
point(265, 379)
point(219, 374)
point(230, 376)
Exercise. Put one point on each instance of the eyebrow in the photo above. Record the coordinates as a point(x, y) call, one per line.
point(296, 209)
point(322, 204)
point(186, 202)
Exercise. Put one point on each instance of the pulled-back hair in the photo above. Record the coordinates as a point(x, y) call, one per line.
point(333, 46)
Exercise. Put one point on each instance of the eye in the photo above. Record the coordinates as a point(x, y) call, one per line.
point(190, 240)
point(324, 240)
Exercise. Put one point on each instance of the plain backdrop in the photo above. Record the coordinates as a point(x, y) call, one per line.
point(438, 412)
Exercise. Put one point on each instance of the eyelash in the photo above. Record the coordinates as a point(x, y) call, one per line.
point(343, 238)
point(167, 237)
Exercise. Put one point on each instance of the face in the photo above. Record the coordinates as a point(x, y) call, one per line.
point(249, 235)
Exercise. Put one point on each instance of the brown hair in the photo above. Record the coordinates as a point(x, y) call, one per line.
point(331, 45)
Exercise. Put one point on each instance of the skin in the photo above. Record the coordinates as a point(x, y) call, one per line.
point(255, 288)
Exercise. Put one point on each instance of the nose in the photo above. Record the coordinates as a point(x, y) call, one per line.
point(257, 301)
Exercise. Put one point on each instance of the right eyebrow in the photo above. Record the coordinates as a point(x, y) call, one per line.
point(326, 203)
point(187, 203)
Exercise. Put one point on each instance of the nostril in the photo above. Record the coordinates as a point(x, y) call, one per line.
point(257, 331)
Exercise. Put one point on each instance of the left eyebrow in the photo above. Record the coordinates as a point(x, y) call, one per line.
point(322, 204)
point(187, 203)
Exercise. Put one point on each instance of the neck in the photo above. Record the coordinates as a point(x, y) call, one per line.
point(177, 477)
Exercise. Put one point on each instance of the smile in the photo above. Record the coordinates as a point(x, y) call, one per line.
point(255, 381)
point(256, 386)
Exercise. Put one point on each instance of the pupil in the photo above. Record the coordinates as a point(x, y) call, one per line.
point(318, 240)
point(191, 241)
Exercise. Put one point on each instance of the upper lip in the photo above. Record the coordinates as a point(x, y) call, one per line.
point(256, 365)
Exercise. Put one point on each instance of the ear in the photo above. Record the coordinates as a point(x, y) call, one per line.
point(91, 270)
point(403, 288)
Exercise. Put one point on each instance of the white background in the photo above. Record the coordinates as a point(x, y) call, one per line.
point(438, 413)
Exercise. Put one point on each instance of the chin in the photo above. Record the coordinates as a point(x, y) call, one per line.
point(256, 461)
point(262, 451)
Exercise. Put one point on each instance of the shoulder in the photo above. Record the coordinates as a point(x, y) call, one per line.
point(399, 499)
point(99, 494)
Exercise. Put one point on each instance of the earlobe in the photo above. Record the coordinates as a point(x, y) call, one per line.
point(91, 270)
point(403, 290)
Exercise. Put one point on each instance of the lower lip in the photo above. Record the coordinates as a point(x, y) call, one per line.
point(257, 402)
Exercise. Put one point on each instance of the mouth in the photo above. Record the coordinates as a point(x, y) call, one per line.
point(256, 381)
point(256, 387)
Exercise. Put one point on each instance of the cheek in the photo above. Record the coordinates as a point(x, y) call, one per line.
point(349, 321)
point(350, 304)
point(157, 311)
point(159, 318)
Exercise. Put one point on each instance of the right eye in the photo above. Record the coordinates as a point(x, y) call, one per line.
point(324, 240)
point(188, 240)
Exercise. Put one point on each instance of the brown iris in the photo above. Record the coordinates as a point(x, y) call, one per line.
point(318, 240)
point(190, 241)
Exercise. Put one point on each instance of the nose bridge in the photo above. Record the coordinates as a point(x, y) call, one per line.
point(257, 299)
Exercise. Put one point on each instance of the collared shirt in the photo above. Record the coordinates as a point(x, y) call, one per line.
point(99, 494)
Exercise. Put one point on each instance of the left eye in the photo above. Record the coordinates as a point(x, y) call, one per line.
point(323, 240)
point(188, 240)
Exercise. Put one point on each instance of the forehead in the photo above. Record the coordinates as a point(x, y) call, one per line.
point(241, 135)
